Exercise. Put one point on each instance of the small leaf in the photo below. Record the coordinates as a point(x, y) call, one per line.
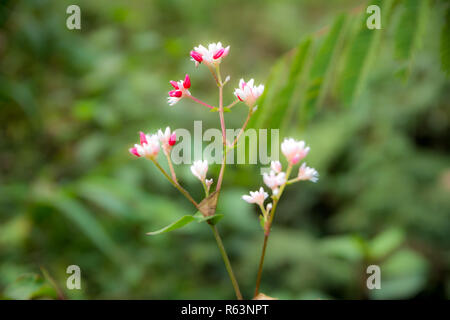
point(262, 221)
point(214, 219)
point(184, 220)
point(208, 205)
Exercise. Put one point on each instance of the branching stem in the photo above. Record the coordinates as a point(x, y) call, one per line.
point(267, 232)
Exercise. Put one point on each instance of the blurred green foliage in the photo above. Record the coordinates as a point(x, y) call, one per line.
point(373, 107)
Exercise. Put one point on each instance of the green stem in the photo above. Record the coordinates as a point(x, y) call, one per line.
point(205, 188)
point(175, 184)
point(226, 261)
point(231, 105)
point(172, 170)
point(272, 215)
point(214, 229)
point(243, 128)
point(224, 138)
point(214, 75)
point(219, 183)
point(267, 232)
point(261, 262)
point(199, 101)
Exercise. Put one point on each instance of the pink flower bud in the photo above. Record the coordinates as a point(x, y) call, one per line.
point(219, 53)
point(307, 173)
point(196, 56)
point(274, 180)
point(248, 92)
point(172, 139)
point(148, 147)
point(295, 159)
point(133, 151)
point(187, 82)
point(226, 51)
point(181, 90)
point(175, 93)
point(257, 197)
point(294, 150)
point(174, 84)
point(212, 54)
point(276, 166)
point(142, 137)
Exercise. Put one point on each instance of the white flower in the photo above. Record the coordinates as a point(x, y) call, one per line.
point(276, 166)
point(273, 180)
point(257, 197)
point(248, 92)
point(268, 208)
point(208, 183)
point(167, 139)
point(307, 173)
point(148, 147)
point(180, 90)
point(294, 150)
point(199, 169)
point(210, 56)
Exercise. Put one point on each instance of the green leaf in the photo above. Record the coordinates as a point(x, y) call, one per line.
point(30, 286)
point(343, 247)
point(214, 219)
point(184, 220)
point(80, 216)
point(270, 90)
point(385, 243)
point(445, 43)
point(278, 112)
point(360, 55)
point(322, 66)
point(262, 221)
point(410, 27)
point(103, 196)
point(403, 275)
point(409, 31)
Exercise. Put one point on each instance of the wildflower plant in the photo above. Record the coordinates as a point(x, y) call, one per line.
point(276, 180)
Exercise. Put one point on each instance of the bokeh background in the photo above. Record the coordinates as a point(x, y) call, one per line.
point(72, 102)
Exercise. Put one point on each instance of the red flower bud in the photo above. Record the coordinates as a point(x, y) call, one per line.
point(219, 53)
point(196, 56)
point(175, 93)
point(133, 151)
point(174, 84)
point(172, 139)
point(143, 138)
point(187, 82)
